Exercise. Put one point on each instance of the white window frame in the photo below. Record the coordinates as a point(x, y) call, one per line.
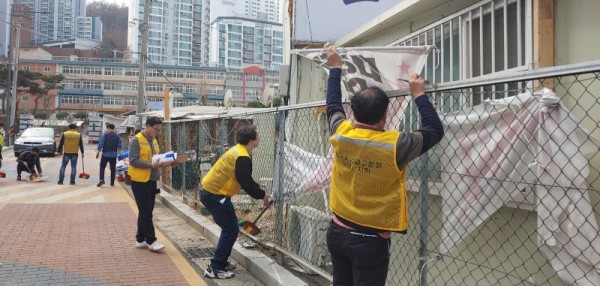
point(437, 30)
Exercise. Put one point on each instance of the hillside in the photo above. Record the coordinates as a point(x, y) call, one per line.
point(114, 26)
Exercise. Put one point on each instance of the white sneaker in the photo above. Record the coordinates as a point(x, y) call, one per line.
point(142, 244)
point(156, 246)
point(218, 274)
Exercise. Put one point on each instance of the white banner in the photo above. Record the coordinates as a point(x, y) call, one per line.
point(386, 67)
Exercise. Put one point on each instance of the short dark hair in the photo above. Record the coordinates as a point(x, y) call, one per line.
point(110, 126)
point(369, 105)
point(153, 120)
point(245, 134)
point(72, 126)
point(35, 149)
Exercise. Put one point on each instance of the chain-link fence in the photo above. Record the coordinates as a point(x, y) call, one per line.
point(509, 197)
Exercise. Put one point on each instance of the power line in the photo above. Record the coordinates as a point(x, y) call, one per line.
point(309, 25)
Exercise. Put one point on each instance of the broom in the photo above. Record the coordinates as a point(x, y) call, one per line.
point(83, 175)
point(32, 176)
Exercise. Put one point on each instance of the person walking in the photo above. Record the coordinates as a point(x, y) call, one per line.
point(368, 179)
point(144, 177)
point(70, 141)
point(28, 162)
point(110, 145)
point(230, 173)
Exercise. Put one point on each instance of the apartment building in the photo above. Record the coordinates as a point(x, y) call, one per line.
point(179, 31)
point(239, 42)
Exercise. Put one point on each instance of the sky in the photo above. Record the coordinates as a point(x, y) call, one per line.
point(330, 20)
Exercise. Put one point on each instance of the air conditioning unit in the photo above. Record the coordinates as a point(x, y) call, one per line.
point(307, 229)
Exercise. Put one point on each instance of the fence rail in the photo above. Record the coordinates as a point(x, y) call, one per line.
point(509, 197)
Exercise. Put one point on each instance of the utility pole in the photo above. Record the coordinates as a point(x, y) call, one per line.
point(14, 72)
point(145, 29)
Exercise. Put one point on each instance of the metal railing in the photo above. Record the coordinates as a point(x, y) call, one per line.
point(510, 196)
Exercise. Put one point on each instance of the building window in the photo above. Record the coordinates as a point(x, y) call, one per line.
point(129, 101)
point(129, 86)
point(71, 70)
point(46, 69)
point(116, 101)
point(90, 99)
point(112, 86)
point(214, 75)
point(154, 87)
point(472, 44)
point(92, 85)
point(69, 84)
point(113, 71)
point(132, 72)
point(92, 70)
point(70, 99)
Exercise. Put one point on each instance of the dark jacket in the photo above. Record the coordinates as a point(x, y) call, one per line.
point(32, 160)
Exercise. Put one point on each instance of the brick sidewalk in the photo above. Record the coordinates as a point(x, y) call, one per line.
point(77, 244)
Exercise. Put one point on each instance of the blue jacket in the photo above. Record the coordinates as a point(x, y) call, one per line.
point(109, 144)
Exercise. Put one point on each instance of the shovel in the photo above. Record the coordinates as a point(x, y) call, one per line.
point(251, 227)
point(83, 175)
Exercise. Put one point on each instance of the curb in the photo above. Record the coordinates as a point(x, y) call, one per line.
point(259, 265)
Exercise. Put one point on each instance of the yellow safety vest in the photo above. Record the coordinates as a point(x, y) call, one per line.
point(367, 187)
point(71, 142)
point(221, 180)
point(142, 175)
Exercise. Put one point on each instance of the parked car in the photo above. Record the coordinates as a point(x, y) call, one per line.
point(41, 137)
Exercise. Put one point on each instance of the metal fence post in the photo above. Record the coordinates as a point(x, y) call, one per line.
point(279, 194)
point(424, 221)
point(222, 137)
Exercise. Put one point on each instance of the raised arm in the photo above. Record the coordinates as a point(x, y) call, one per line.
point(333, 102)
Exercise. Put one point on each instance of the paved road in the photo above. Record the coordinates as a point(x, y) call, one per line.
point(77, 235)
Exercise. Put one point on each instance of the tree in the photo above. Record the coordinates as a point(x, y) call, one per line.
point(81, 115)
point(36, 84)
point(50, 82)
point(255, 104)
point(62, 115)
point(41, 115)
point(114, 26)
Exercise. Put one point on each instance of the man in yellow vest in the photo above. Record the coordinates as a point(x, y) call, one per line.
point(230, 173)
point(368, 177)
point(70, 141)
point(144, 175)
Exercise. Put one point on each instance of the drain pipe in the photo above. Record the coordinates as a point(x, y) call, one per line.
point(292, 256)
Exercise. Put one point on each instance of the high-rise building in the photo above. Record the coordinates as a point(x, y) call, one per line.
point(89, 28)
point(239, 42)
point(5, 27)
point(55, 20)
point(179, 31)
point(246, 32)
point(264, 10)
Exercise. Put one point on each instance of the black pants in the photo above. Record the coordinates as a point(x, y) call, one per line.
point(21, 168)
point(113, 167)
point(144, 194)
point(358, 259)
